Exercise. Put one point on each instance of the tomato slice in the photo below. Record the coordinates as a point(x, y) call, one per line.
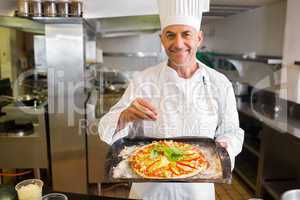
point(156, 173)
point(190, 159)
point(183, 169)
point(173, 170)
point(152, 165)
point(185, 164)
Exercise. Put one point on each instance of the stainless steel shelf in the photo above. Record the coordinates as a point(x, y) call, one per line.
point(23, 24)
point(271, 60)
point(58, 20)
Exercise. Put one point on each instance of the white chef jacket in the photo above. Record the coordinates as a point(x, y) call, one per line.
point(201, 106)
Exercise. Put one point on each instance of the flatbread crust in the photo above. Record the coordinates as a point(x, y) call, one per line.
point(168, 160)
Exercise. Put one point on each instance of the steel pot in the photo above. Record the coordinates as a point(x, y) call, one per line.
point(27, 100)
point(291, 195)
point(23, 100)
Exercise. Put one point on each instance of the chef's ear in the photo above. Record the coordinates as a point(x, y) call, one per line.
point(161, 39)
point(200, 37)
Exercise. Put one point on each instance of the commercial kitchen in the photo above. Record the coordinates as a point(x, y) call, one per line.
point(65, 63)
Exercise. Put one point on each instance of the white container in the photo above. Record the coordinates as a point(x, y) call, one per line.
point(291, 195)
point(30, 189)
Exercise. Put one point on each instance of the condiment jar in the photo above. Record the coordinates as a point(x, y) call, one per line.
point(36, 8)
point(50, 8)
point(63, 8)
point(76, 8)
point(23, 8)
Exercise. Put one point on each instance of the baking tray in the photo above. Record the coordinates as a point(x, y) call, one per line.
point(219, 170)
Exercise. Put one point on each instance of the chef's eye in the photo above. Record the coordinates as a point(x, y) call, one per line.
point(187, 34)
point(170, 36)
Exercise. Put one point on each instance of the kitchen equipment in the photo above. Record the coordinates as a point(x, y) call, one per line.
point(23, 100)
point(36, 8)
point(63, 8)
point(240, 89)
point(10, 127)
point(27, 100)
point(113, 81)
point(291, 195)
point(76, 8)
point(23, 8)
point(50, 8)
point(55, 196)
point(219, 170)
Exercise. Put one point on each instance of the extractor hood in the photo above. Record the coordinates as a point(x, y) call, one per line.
point(124, 8)
point(117, 18)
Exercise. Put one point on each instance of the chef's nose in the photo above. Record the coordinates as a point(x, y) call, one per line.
point(179, 42)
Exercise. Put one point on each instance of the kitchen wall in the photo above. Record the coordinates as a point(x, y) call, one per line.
point(7, 8)
point(291, 52)
point(103, 8)
point(259, 30)
point(7, 53)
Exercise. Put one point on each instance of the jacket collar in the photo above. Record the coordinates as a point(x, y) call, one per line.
point(167, 74)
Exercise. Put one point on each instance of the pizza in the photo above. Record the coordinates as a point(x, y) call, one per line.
point(167, 159)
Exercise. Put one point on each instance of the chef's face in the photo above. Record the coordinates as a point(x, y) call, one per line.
point(181, 43)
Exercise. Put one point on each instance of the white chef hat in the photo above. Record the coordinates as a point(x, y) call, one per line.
point(187, 12)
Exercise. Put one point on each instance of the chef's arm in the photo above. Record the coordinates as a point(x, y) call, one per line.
point(228, 133)
point(117, 122)
point(108, 126)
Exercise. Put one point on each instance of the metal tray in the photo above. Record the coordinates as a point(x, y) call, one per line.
point(221, 173)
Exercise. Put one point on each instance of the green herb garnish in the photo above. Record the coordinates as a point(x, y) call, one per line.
point(172, 153)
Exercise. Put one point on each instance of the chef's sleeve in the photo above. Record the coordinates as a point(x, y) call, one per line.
point(109, 122)
point(228, 130)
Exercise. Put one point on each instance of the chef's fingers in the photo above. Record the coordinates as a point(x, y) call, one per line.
point(223, 144)
point(147, 104)
point(144, 110)
point(137, 114)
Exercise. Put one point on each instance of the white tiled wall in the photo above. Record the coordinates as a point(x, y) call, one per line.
point(291, 53)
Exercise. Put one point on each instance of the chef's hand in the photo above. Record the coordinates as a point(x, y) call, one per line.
point(139, 109)
point(223, 144)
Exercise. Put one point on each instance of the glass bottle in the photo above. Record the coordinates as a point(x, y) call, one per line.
point(23, 8)
point(63, 8)
point(76, 8)
point(36, 8)
point(50, 8)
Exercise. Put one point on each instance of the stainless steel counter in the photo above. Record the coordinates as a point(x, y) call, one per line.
point(281, 121)
point(28, 151)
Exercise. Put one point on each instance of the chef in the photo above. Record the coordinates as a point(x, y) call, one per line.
point(178, 97)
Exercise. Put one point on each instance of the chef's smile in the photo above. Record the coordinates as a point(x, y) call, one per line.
point(180, 43)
